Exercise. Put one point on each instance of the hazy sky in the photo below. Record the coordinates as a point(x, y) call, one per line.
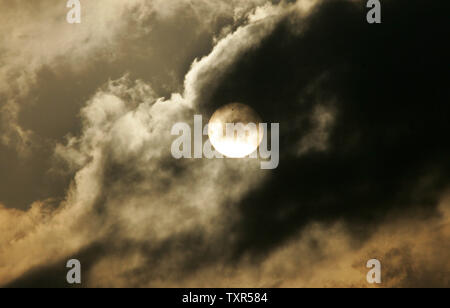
point(86, 171)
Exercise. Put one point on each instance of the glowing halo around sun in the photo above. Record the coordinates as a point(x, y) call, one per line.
point(246, 137)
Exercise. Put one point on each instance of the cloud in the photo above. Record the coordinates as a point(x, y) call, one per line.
point(51, 68)
point(126, 139)
point(350, 185)
point(320, 256)
point(45, 39)
point(377, 158)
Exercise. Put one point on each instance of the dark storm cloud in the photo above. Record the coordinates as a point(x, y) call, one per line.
point(388, 148)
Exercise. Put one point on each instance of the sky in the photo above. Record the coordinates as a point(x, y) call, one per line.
point(86, 170)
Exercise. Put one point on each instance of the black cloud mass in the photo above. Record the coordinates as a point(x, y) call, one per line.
point(387, 148)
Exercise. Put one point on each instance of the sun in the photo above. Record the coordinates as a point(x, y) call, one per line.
point(234, 130)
